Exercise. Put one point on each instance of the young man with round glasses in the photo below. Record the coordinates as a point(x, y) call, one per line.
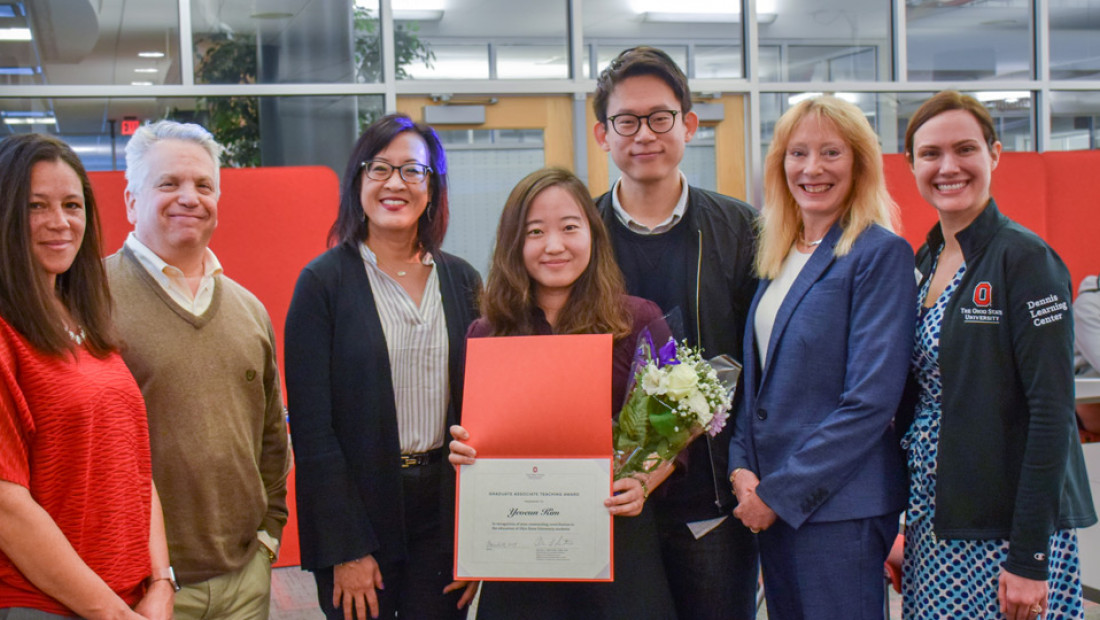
point(690, 251)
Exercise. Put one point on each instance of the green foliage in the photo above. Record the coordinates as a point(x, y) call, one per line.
point(408, 48)
point(234, 121)
point(232, 59)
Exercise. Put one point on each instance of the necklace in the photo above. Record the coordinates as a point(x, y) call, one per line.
point(401, 273)
point(809, 244)
point(77, 337)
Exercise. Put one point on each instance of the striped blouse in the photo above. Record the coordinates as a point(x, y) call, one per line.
point(416, 338)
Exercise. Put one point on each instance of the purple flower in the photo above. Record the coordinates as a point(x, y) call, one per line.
point(667, 355)
point(718, 422)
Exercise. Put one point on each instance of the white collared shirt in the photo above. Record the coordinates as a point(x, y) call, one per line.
point(416, 340)
point(635, 226)
point(172, 279)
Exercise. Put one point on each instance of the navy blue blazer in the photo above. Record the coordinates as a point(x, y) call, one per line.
point(816, 423)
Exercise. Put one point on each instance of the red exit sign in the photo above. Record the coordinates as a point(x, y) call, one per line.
point(129, 126)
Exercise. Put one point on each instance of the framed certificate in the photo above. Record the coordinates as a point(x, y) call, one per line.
point(531, 507)
point(534, 519)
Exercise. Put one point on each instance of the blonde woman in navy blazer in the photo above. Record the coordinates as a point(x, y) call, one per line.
point(814, 461)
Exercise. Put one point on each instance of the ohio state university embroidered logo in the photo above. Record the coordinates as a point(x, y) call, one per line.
point(982, 313)
point(983, 294)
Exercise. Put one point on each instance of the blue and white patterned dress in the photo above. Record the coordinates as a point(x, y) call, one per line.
point(959, 578)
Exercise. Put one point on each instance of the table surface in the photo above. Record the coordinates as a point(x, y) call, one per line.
point(1088, 390)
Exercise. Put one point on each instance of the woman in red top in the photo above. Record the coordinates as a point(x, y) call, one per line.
point(81, 530)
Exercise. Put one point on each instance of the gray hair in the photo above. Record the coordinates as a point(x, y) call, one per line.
point(148, 135)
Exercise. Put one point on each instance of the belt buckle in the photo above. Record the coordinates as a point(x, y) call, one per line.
point(412, 460)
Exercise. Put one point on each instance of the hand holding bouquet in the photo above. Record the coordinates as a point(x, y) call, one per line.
point(675, 396)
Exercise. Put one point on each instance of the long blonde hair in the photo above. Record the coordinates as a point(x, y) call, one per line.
point(868, 202)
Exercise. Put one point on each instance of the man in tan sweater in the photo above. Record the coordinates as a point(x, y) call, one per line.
point(202, 349)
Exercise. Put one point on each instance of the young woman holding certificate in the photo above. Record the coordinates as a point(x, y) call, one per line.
point(553, 272)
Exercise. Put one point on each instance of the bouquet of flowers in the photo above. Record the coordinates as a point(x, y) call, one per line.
point(675, 396)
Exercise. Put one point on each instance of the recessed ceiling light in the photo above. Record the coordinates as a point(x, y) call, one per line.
point(417, 15)
point(141, 83)
point(992, 96)
point(146, 70)
point(800, 97)
point(15, 34)
point(30, 120)
point(151, 54)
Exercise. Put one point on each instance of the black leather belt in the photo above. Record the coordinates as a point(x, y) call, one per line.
point(421, 458)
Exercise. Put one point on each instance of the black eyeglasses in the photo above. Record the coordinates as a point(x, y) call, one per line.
point(627, 125)
point(382, 171)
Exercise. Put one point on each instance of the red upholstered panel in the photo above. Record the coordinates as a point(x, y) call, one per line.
point(271, 222)
point(1019, 186)
point(1073, 211)
point(917, 216)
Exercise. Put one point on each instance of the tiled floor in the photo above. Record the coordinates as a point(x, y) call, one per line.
point(294, 597)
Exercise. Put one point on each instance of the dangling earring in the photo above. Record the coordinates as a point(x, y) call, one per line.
point(428, 211)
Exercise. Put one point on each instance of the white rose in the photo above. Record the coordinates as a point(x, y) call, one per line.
point(682, 381)
point(698, 403)
point(653, 380)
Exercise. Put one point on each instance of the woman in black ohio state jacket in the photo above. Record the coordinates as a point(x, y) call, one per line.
point(997, 478)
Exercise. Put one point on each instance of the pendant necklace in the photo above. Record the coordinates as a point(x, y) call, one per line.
point(78, 336)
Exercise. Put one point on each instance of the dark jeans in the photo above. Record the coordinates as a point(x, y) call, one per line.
point(827, 571)
point(414, 587)
point(714, 577)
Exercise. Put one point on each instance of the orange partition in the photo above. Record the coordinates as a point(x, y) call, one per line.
point(1019, 187)
point(1073, 207)
point(271, 222)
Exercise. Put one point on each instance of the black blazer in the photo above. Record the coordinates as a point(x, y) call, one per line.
point(343, 419)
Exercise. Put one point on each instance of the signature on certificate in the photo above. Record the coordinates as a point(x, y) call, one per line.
point(554, 541)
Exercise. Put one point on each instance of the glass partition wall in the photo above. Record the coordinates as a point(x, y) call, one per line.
point(285, 82)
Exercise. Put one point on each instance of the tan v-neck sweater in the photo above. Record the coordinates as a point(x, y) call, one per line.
point(216, 419)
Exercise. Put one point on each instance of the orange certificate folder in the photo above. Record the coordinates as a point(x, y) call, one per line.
point(538, 412)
